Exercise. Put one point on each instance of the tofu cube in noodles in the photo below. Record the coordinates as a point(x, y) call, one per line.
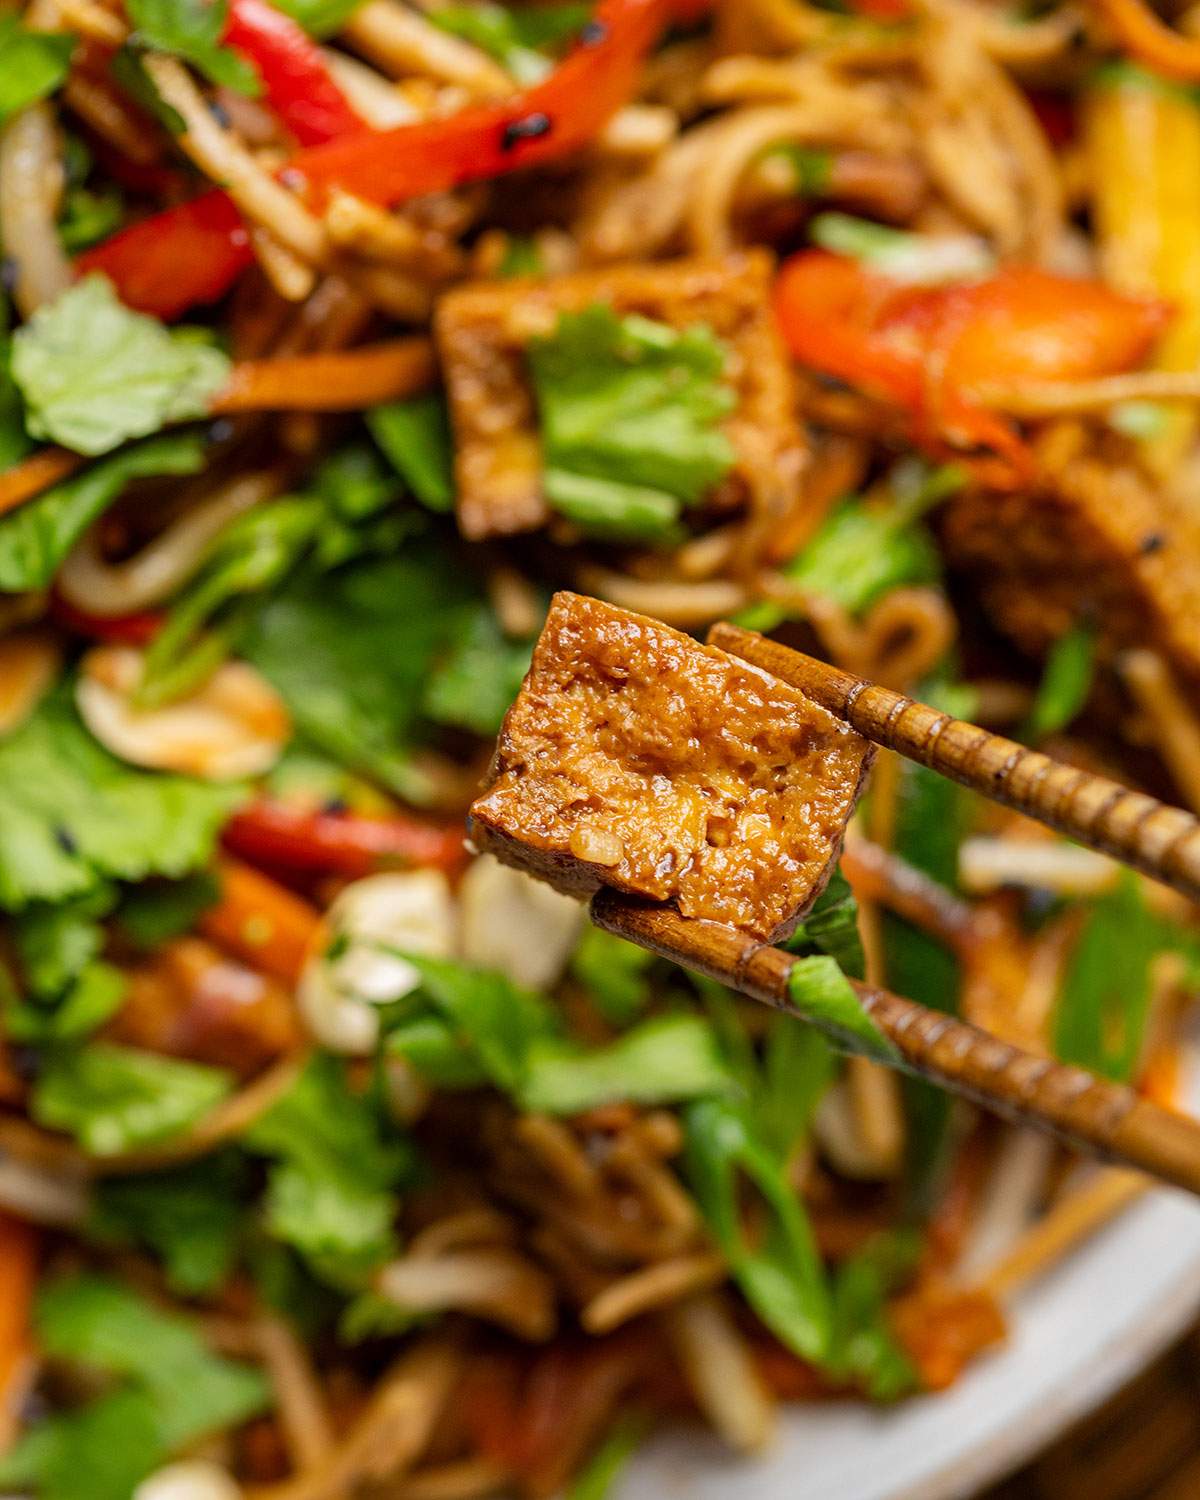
point(637, 758)
point(1100, 541)
point(483, 332)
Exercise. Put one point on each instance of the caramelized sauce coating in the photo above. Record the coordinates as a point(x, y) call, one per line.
point(637, 758)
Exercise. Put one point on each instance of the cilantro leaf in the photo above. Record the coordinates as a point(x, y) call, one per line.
point(472, 685)
point(113, 1098)
point(415, 438)
point(484, 1028)
point(172, 1393)
point(72, 815)
point(160, 909)
point(192, 30)
point(32, 64)
point(68, 992)
point(864, 549)
point(664, 1060)
point(36, 538)
point(189, 1216)
point(351, 653)
point(100, 1452)
point(634, 404)
point(95, 374)
point(492, 1018)
point(331, 1188)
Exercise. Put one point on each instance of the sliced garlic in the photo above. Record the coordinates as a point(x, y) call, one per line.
point(234, 725)
point(515, 924)
point(338, 994)
point(190, 1479)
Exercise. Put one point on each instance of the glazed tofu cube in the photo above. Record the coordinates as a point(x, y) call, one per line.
point(637, 758)
point(1100, 542)
point(484, 330)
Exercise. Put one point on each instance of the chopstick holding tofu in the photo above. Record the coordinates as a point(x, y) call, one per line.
point(702, 800)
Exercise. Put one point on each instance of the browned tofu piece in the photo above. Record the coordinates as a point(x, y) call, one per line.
point(482, 332)
point(637, 758)
point(1102, 543)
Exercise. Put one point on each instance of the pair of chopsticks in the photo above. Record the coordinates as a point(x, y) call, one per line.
point(1103, 1118)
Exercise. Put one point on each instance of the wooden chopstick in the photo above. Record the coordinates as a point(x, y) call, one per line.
point(1105, 1119)
point(1140, 831)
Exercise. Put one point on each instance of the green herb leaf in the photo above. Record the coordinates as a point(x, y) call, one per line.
point(103, 1326)
point(68, 993)
point(1065, 685)
point(918, 259)
point(331, 1190)
point(113, 1098)
point(492, 1017)
point(832, 927)
point(780, 1274)
point(473, 684)
point(86, 218)
point(861, 552)
point(512, 36)
point(100, 1452)
point(36, 538)
point(320, 18)
point(152, 913)
point(189, 1216)
point(95, 374)
point(416, 440)
point(798, 1066)
point(72, 816)
point(612, 510)
point(597, 1478)
point(1100, 1019)
point(32, 64)
point(661, 1061)
point(864, 1350)
point(192, 30)
point(351, 653)
point(614, 973)
point(823, 995)
point(633, 403)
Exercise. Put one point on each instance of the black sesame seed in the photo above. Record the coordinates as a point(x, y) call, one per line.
point(9, 271)
point(527, 128)
point(1153, 541)
point(65, 840)
point(593, 34)
point(220, 114)
point(221, 430)
point(336, 806)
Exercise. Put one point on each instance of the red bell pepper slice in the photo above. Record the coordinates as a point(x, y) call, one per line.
point(296, 80)
point(923, 349)
point(192, 254)
point(283, 838)
point(125, 630)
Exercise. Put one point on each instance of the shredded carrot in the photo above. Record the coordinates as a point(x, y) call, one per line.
point(18, 1276)
point(262, 922)
point(1152, 41)
point(34, 474)
point(343, 381)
